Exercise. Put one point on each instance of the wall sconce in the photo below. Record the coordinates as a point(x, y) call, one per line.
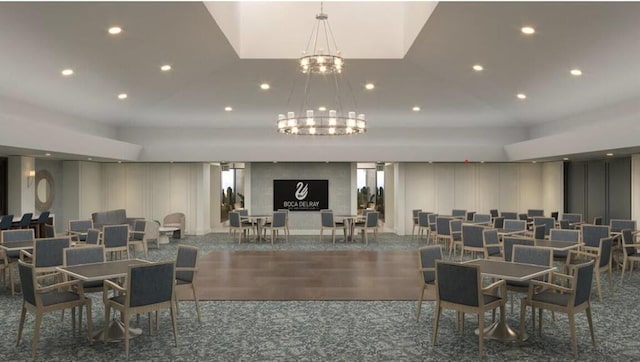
point(31, 177)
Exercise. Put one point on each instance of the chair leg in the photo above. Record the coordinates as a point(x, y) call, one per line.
point(436, 321)
point(598, 284)
point(480, 334)
point(175, 327)
point(523, 312)
point(572, 328)
point(23, 315)
point(89, 322)
point(195, 298)
point(420, 301)
point(107, 315)
point(36, 335)
point(624, 267)
point(590, 320)
point(333, 235)
point(125, 320)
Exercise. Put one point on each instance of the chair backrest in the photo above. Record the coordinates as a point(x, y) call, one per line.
point(442, 225)
point(528, 254)
point(510, 241)
point(415, 215)
point(591, 234)
point(618, 224)
point(49, 231)
point(365, 212)
point(28, 283)
point(565, 224)
point(423, 219)
point(539, 231)
point(482, 218)
point(114, 236)
point(554, 215)
point(565, 235)
point(26, 220)
point(627, 238)
point(509, 215)
point(583, 274)
point(459, 213)
point(149, 284)
point(494, 213)
point(47, 252)
point(572, 217)
point(432, 221)
point(597, 220)
point(6, 222)
point(43, 217)
point(523, 217)
point(80, 225)
point(9, 236)
point(490, 237)
point(515, 225)
point(234, 219)
point(84, 255)
point(498, 222)
point(187, 258)
point(93, 236)
point(243, 212)
point(326, 218)
point(549, 222)
point(279, 219)
point(472, 235)
point(372, 219)
point(606, 244)
point(471, 215)
point(535, 213)
point(428, 256)
point(139, 226)
point(458, 283)
point(455, 226)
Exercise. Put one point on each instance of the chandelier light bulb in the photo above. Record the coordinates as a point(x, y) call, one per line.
point(294, 130)
point(312, 130)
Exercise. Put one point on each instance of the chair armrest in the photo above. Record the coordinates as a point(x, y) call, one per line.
point(587, 252)
point(502, 284)
point(25, 254)
point(545, 285)
point(108, 284)
point(427, 269)
point(186, 269)
point(58, 285)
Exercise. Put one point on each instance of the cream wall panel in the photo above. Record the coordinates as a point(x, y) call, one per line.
point(135, 189)
point(508, 184)
point(419, 190)
point(635, 187)
point(552, 187)
point(160, 187)
point(90, 189)
point(465, 186)
point(488, 187)
point(114, 186)
point(445, 178)
point(529, 187)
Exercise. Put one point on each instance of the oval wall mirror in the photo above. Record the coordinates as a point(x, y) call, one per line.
point(44, 190)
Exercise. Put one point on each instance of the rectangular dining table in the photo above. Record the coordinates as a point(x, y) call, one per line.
point(556, 245)
point(506, 270)
point(105, 271)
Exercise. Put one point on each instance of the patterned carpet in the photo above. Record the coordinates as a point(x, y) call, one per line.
point(327, 330)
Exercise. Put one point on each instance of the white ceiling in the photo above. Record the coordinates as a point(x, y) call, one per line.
point(41, 39)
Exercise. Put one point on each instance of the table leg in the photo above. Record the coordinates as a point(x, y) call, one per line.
point(163, 238)
point(115, 331)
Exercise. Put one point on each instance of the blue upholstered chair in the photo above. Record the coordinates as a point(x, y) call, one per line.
point(603, 259)
point(148, 288)
point(617, 225)
point(278, 222)
point(549, 222)
point(508, 215)
point(93, 237)
point(470, 215)
point(47, 253)
point(508, 242)
point(370, 225)
point(138, 237)
point(432, 226)
point(597, 220)
point(8, 237)
point(559, 298)
point(491, 245)
point(40, 300)
point(571, 236)
point(591, 234)
point(529, 254)
point(6, 222)
point(455, 229)
point(424, 228)
point(236, 225)
point(186, 269)
point(459, 214)
point(427, 259)
point(630, 252)
point(482, 218)
point(78, 228)
point(515, 225)
point(443, 231)
point(116, 240)
point(416, 223)
point(472, 240)
point(532, 213)
point(459, 287)
point(327, 221)
point(498, 222)
point(85, 255)
point(539, 231)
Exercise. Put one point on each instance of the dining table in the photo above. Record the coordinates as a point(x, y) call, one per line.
point(258, 220)
point(506, 270)
point(105, 271)
point(349, 222)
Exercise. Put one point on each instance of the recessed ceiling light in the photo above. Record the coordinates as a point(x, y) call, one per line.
point(322, 108)
point(528, 30)
point(576, 72)
point(165, 68)
point(478, 68)
point(265, 86)
point(609, 154)
point(369, 86)
point(114, 30)
point(521, 96)
point(123, 96)
point(416, 109)
point(565, 159)
point(67, 72)
point(228, 109)
point(47, 154)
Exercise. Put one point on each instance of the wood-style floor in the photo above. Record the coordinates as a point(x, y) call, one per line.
point(308, 275)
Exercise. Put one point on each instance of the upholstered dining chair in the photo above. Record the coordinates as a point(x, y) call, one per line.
point(443, 231)
point(237, 226)
point(8, 237)
point(591, 234)
point(416, 223)
point(39, 300)
point(78, 228)
point(432, 225)
point(85, 255)
point(186, 269)
point(370, 226)
point(327, 221)
point(528, 255)
point(148, 288)
point(630, 253)
point(138, 237)
point(549, 222)
point(49, 231)
point(427, 261)
point(93, 237)
point(482, 218)
point(459, 287)
point(47, 254)
point(6, 222)
point(459, 214)
point(515, 225)
point(491, 245)
point(455, 228)
point(508, 242)
point(571, 236)
point(498, 222)
point(508, 215)
point(286, 221)
point(278, 222)
point(494, 213)
point(115, 239)
point(558, 298)
point(424, 228)
point(539, 231)
point(603, 256)
point(472, 240)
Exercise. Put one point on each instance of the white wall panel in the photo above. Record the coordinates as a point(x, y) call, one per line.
point(552, 187)
point(508, 183)
point(465, 186)
point(90, 189)
point(445, 178)
point(529, 186)
point(488, 187)
point(635, 187)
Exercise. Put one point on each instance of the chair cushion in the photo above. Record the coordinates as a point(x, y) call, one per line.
point(552, 298)
point(118, 299)
point(513, 283)
point(52, 298)
point(93, 284)
point(489, 298)
point(182, 282)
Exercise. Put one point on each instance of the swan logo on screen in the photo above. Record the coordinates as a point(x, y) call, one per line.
point(300, 195)
point(302, 191)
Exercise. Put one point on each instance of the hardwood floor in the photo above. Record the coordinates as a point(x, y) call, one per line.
point(309, 275)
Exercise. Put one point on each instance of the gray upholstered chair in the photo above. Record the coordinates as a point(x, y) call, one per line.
point(84, 255)
point(482, 218)
point(559, 298)
point(138, 237)
point(572, 218)
point(432, 226)
point(93, 237)
point(539, 231)
point(491, 245)
point(40, 300)
point(591, 234)
point(443, 231)
point(278, 222)
point(498, 222)
point(327, 221)
point(455, 228)
point(515, 225)
point(533, 213)
point(286, 228)
point(617, 225)
point(470, 215)
point(416, 221)
point(571, 236)
point(423, 225)
point(630, 252)
point(8, 237)
point(459, 214)
point(148, 288)
point(115, 239)
point(236, 225)
point(370, 226)
point(176, 220)
point(186, 269)
point(459, 287)
point(527, 254)
point(565, 225)
point(603, 257)
point(427, 256)
point(78, 228)
point(472, 240)
point(24, 222)
point(47, 254)
point(549, 222)
point(508, 215)
point(508, 242)
point(494, 213)
point(597, 220)
point(6, 222)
